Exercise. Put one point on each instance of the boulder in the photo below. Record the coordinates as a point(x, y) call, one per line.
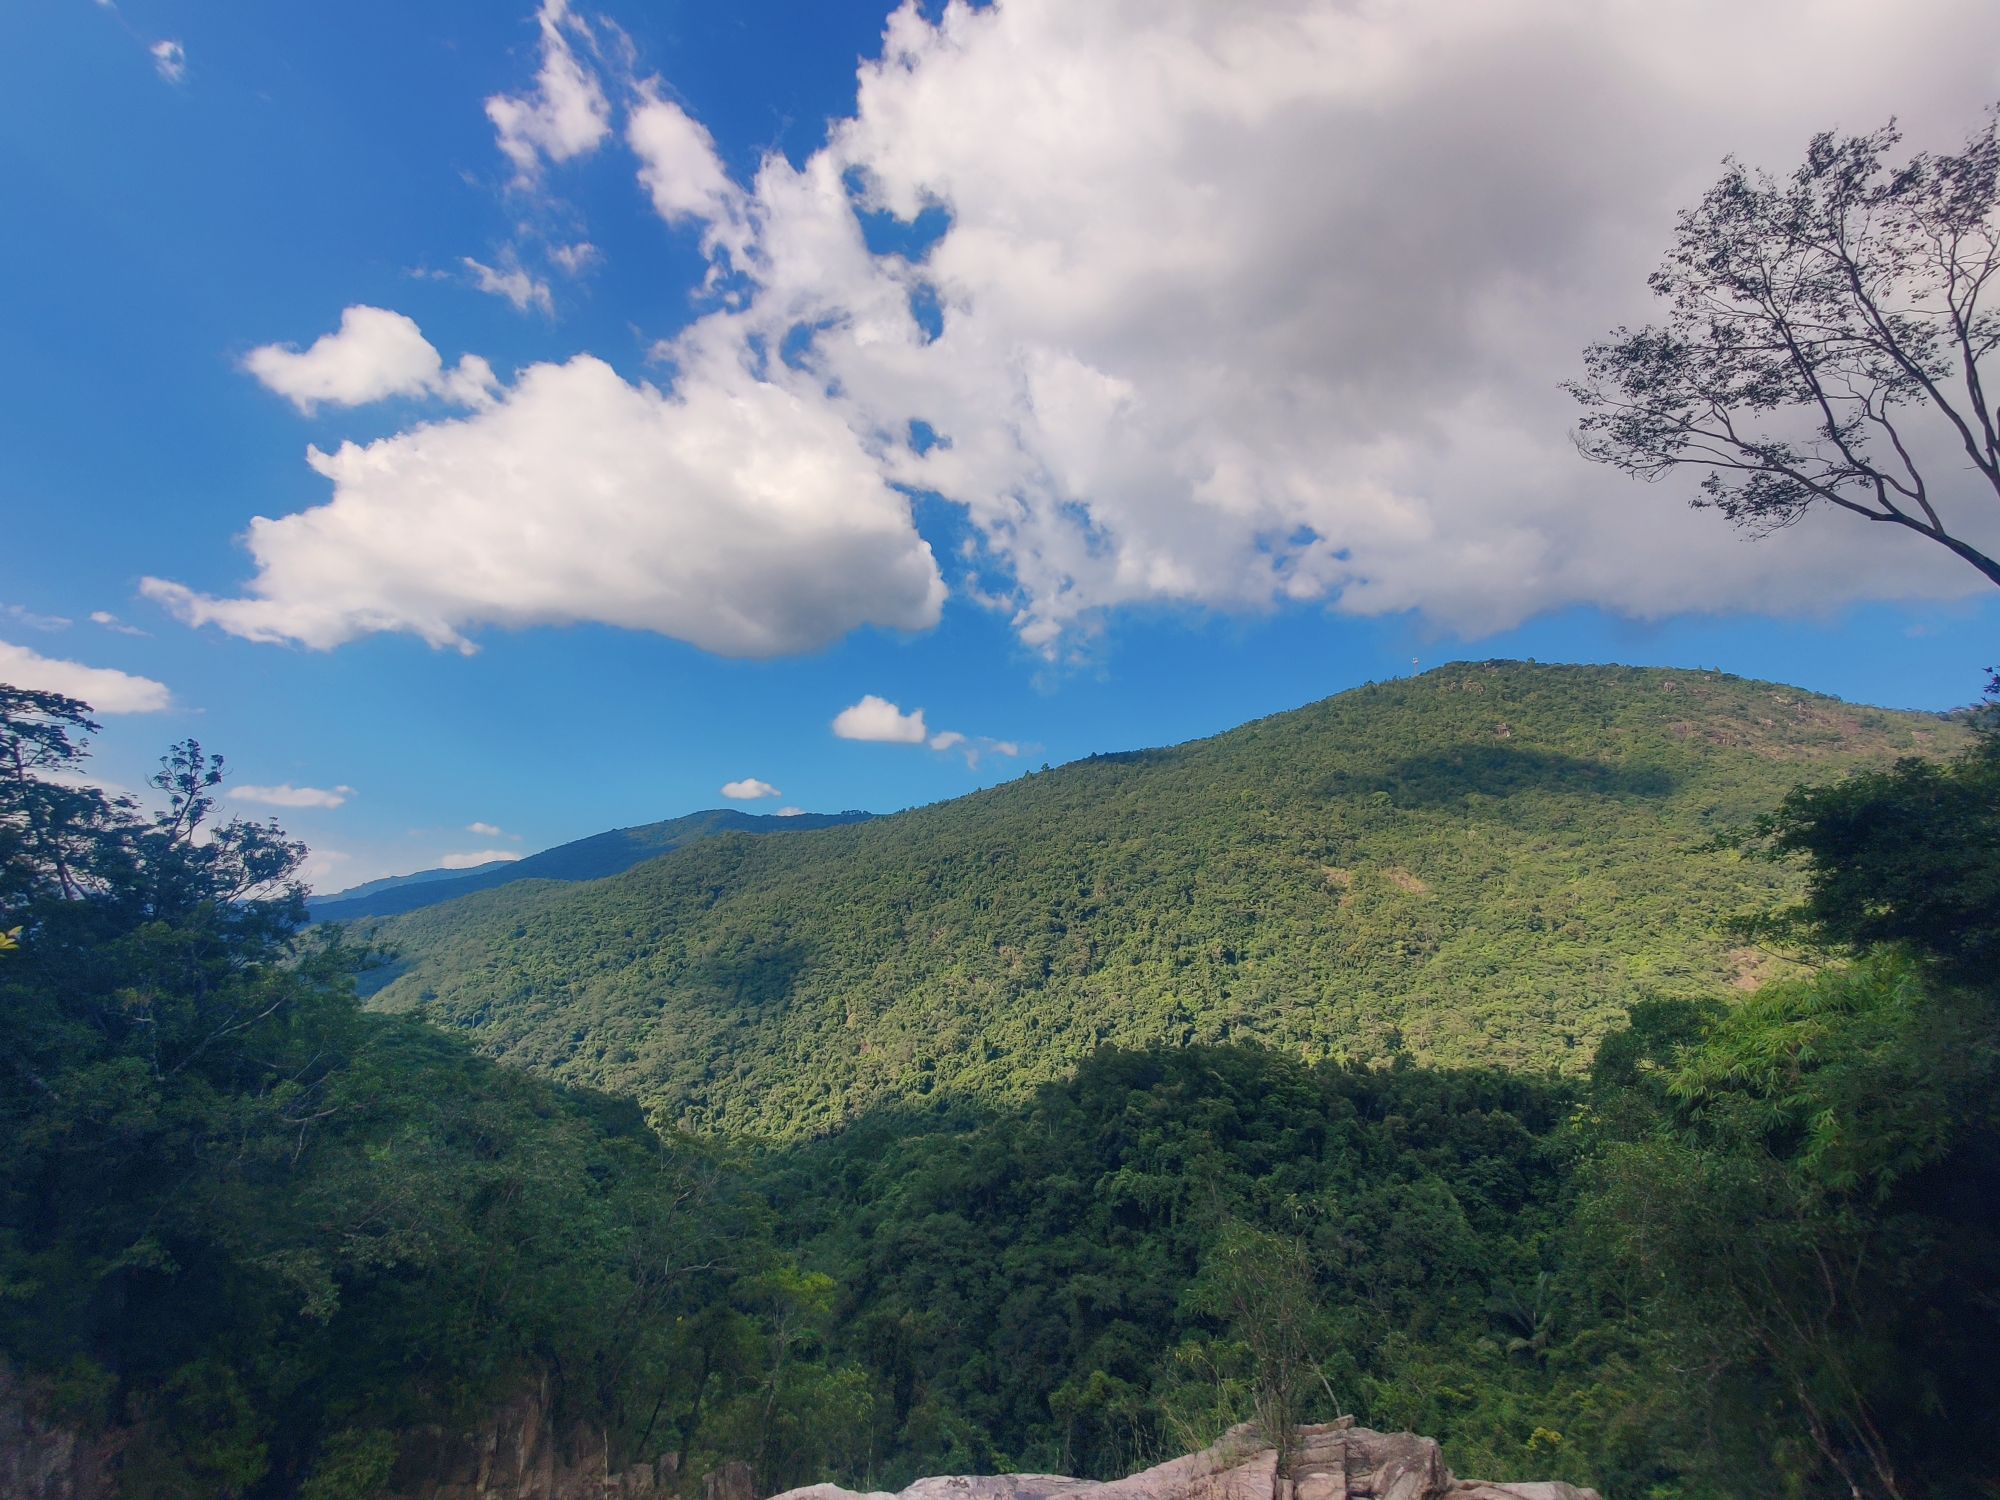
point(1333, 1461)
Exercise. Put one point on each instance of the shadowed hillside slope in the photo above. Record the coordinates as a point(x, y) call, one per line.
point(1483, 865)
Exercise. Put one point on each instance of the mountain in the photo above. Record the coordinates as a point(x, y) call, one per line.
point(357, 893)
point(1487, 864)
point(590, 858)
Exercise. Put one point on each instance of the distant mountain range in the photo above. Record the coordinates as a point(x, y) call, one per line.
point(1485, 865)
point(591, 858)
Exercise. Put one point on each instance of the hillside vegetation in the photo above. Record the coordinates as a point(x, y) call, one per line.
point(260, 1244)
point(591, 858)
point(1486, 865)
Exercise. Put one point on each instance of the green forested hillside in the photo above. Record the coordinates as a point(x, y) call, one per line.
point(592, 858)
point(1485, 865)
point(255, 1242)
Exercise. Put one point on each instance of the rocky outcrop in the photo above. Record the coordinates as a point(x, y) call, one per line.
point(1336, 1461)
point(520, 1453)
point(44, 1459)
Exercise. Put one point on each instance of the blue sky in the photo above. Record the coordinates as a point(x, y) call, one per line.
point(1240, 404)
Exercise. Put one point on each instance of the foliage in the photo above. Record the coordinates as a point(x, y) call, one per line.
point(1909, 855)
point(265, 1231)
point(1802, 1192)
point(1176, 1240)
point(1828, 343)
point(1486, 865)
point(1749, 1251)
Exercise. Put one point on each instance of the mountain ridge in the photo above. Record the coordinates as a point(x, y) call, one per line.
point(593, 857)
point(1485, 865)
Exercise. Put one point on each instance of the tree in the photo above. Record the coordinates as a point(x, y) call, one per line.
point(1828, 342)
point(1261, 1286)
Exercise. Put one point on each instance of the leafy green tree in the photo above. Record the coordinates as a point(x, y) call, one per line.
point(1263, 1288)
point(1796, 1197)
point(1909, 855)
point(263, 1232)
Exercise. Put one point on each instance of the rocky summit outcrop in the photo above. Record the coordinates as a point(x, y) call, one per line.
point(1335, 1461)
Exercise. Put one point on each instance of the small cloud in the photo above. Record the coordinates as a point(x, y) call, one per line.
point(791, 812)
point(169, 60)
point(566, 115)
point(110, 621)
point(473, 857)
point(487, 831)
point(374, 354)
point(1001, 747)
point(105, 689)
point(288, 795)
point(945, 739)
point(511, 281)
point(22, 615)
point(879, 720)
point(749, 789)
point(576, 259)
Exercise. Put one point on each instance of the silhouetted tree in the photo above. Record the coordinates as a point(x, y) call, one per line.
point(1828, 342)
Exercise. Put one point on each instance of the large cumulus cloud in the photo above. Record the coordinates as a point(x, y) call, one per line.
point(1234, 305)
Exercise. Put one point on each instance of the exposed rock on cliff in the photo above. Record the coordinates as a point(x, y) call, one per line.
point(41, 1458)
point(521, 1453)
point(1337, 1461)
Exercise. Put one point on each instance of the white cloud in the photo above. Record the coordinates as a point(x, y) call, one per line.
point(729, 512)
point(109, 621)
point(105, 689)
point(946, 739)
point(1246, 306)
point(169, 60)
point(473, 857)
point(679, 168)
point(575, 259)
point(486, 830)
point(375, 353)
point(20, 614)
point(288, 795)
point(749, 789)
point(512, 282)
point(1270, 302)
point(567, 115)
point(879, 720)
point(791, 812)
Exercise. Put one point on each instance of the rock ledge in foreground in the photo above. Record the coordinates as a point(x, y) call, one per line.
point(1336, 1461)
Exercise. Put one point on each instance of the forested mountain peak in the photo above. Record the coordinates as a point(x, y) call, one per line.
point(1469, 866)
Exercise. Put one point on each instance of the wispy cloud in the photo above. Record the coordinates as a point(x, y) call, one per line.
point(566, 114)
point(511, 280)
point(169, 60)
point(288, 795)
point(575, 259)
point(20, 614)
point(109, 621)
